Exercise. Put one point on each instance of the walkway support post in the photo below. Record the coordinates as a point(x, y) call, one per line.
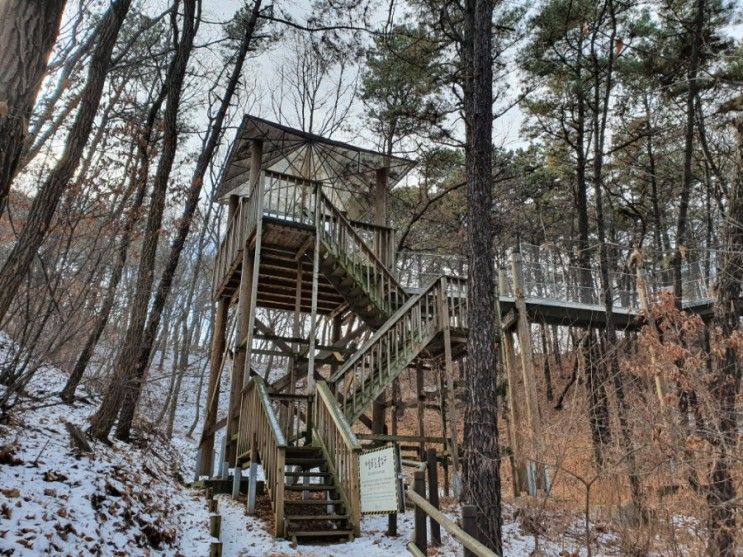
point(644, 295)
point(469, 525)
point(433, 493)
point(451, 399)
point(527, 364)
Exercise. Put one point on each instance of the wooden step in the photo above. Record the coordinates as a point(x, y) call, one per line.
point(304, 452)
point(306, 502)
point(321, 533)
point(308, 517)
point(310, 487)
point(308, 474)
point(305, 461)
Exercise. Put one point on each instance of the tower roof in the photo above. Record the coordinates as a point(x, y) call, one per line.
point(294, 152)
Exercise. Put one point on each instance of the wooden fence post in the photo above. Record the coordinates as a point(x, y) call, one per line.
point(215, 527)
point(433, 493)
point(419, 486)
point(469, 525)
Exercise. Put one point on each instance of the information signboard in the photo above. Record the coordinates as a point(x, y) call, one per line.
point(379, 474)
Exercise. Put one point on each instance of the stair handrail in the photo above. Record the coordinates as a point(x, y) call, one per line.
point(341, 447)
point(260, 436)
point(402, 310)
point(388, 277)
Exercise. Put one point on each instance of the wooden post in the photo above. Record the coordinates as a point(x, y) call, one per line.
point(224, 466)
point(644, 295)
point(444, 426)
point(449, 364)
point(419, 385)
point(236, 479)
point(246, 305)
point(517, 444)
point(253, 476)
point(433, 492)
point(469, 525)
point(380, 218)
point(527, 364)
point(315, 278)
point(206, 447)
point(421, 537)
point(215, 523)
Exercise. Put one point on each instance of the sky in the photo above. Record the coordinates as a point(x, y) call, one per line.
point(506, 132)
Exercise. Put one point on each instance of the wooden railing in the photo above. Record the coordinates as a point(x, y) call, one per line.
point(454, 294)
point(293, 199)
point(358, 257)
point(289, 198)
point(416, 269)
point(260, 436)
point(239, 229)
point(380, 238)
point(391, 347)
point(333, 433)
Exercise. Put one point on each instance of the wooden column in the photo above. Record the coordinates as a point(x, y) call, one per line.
point(380, 218)
point(246, 305)
point(419, 386)
point(644, 295)
point(451, 400)
point(527, 363)
point(206, 446)
point(315, 279)
point(515, 386)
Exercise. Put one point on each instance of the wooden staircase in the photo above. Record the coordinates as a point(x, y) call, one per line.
point(396, 344)
point(311, 478)
point(312, 505)
point(304, 442)
point(354, 268)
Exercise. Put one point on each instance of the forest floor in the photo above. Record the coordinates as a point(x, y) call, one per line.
point(132, 499)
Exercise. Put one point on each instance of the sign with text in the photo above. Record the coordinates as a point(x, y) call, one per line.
point(379, 475)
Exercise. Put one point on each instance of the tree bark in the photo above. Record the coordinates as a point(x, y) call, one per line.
point(726, 378)
point(482, 472)
point(27, 34)
point(46, 200)
point(139, 179)
point(682, 223)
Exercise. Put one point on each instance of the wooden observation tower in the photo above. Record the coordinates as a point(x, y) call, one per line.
point(308, 249)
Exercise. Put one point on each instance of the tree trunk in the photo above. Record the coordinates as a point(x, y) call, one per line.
point(46, 200)
point(120, 385)
point(482, 472)
point(726, 378)
point(27, 34)
point(682, 223)
point(139, 179)
point(184, 226)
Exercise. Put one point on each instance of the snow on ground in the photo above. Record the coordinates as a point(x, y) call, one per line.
point(131, 499)
point(120, 500)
